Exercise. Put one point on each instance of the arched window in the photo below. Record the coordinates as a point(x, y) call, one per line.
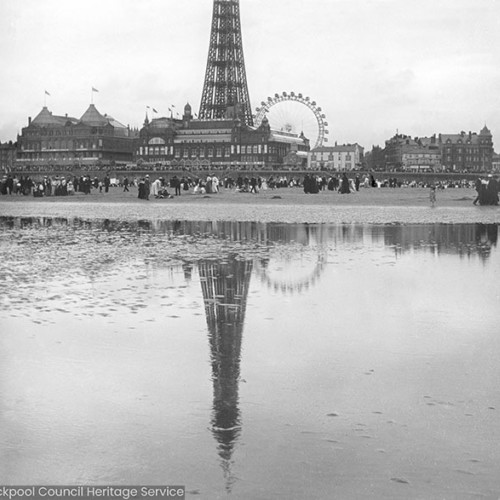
point(156, 140)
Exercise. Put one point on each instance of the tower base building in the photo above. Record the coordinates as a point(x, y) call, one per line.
point(226, 143)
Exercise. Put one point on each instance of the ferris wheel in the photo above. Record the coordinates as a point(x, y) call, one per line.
point(293, 113)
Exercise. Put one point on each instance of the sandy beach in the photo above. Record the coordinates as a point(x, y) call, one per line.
point(400, 205)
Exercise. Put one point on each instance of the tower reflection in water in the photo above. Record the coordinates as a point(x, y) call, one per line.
point(225, 284)
point(225, 290)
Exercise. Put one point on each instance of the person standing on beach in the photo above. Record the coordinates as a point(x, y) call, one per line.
point(492, 191)
point(87, 185)
point(141, 190)
point(432, 195)
point(107, 182)
point(357, 181)
point(344, 185)
point(147, 187)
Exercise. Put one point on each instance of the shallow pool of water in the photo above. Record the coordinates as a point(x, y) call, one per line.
point(251, 360)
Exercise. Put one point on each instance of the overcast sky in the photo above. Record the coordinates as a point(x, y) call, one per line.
point(374, 66)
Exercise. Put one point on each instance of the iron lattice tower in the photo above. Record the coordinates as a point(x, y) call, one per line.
point(225, 84)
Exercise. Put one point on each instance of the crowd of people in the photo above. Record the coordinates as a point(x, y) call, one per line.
point(52, 185)
point(487, 191)
point(163, 187)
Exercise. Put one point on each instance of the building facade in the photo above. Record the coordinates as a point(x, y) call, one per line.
point(495, 163)
point(337, 158)
point(216, 143)
point(50, 140)
point(8, 155)
point(467, 152)
point(404, 153)
point(464, 152)
point(421, 159)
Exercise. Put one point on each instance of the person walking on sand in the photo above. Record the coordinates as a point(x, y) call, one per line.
point(478, 185)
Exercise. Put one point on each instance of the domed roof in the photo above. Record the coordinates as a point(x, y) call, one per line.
point(46, 118)
point(187, 107)
point(93, 117)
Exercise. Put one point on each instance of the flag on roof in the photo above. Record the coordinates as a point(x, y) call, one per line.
point(94, 89)
point(46, 93)
point(154, 110)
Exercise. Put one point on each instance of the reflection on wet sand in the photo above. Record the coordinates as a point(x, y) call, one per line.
point(37, 254)
point(225, 290)
point(72, 249)
point(460, 239)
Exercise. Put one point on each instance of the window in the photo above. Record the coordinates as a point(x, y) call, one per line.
point(156, 140)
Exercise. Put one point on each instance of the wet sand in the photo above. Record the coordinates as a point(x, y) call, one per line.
point(334, 361)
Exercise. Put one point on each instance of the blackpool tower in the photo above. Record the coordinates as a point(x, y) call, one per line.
point(225, 91)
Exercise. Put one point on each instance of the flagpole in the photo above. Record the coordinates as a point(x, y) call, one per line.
point(92, 90)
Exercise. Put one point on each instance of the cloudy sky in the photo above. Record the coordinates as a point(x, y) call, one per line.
point(374, 66)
